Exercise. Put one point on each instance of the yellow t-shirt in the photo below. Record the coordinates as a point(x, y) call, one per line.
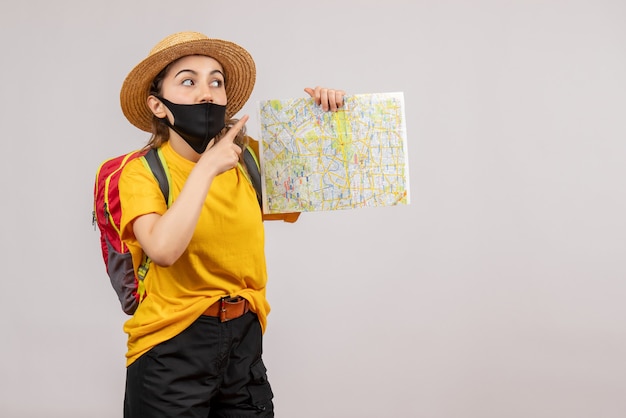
point(226, 254)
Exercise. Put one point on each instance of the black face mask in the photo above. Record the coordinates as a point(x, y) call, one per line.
point(197, 124)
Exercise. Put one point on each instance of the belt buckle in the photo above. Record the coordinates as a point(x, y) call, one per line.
point(223, 310)
point(223, 302)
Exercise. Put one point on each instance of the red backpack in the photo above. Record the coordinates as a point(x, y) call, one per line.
point(107, 214)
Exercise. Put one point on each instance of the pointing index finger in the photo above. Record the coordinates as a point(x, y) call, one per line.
point(234, 130)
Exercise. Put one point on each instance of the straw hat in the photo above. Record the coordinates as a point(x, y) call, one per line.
point(238, 65)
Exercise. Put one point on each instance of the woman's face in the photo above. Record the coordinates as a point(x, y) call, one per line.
point(194, 79)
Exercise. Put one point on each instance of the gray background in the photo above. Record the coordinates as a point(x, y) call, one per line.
point(499, 292)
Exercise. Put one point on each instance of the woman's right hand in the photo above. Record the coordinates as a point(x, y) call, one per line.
point(165, 237)
point(224, 154)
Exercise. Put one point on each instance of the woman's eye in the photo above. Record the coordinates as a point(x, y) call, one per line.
point(216, 83)
point(187, 82)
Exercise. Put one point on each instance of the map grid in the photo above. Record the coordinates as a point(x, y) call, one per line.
point(313, 160)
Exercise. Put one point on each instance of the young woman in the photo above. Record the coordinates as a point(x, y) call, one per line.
point(195, 342)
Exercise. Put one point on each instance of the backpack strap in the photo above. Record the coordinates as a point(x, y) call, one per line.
point(157, 167)
point(252, 165)
point(155, 164)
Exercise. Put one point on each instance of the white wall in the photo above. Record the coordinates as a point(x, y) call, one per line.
point(499, 292)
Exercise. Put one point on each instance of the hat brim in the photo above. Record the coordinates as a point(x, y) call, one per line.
point(239, 71)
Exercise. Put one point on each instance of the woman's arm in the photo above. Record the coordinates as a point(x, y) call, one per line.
point(164, 238)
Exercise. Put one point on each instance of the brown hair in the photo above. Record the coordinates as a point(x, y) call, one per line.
point(161, 132)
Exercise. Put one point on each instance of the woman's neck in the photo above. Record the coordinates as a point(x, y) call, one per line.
point(182, 147)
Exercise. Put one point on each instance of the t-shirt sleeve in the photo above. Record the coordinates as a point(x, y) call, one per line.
point(139, 195)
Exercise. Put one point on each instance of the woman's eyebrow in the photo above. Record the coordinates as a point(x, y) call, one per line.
point(196, 73)
point(185, 71)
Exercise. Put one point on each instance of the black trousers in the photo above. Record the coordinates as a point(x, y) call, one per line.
point(212, 369)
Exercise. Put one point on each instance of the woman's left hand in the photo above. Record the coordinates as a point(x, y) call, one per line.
point(329, 99)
